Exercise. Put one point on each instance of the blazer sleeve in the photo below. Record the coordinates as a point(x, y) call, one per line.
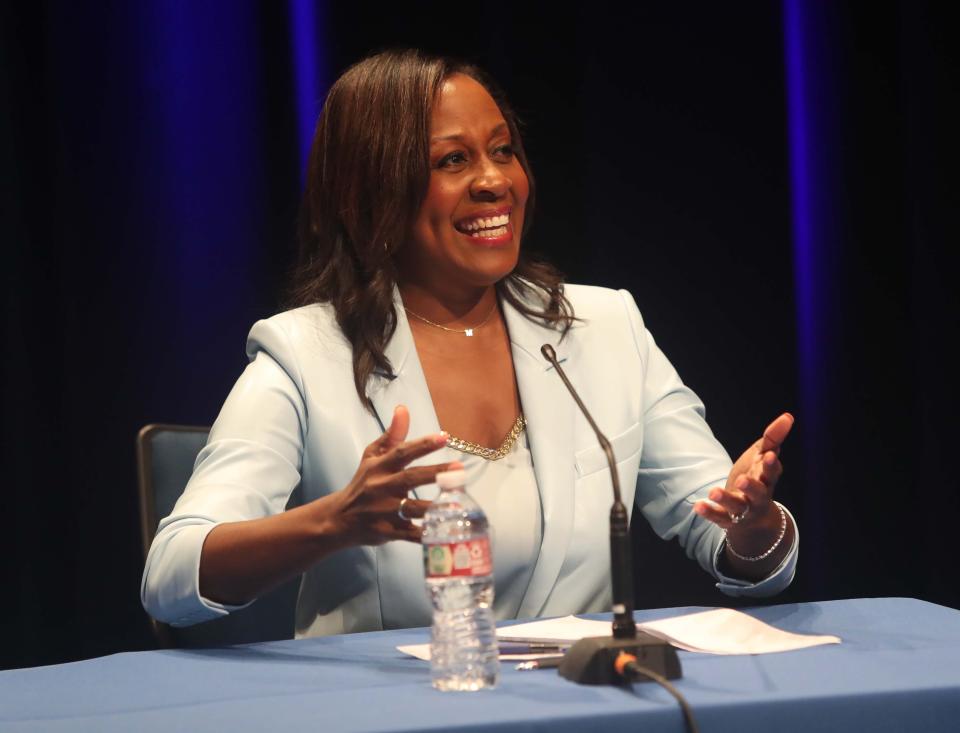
point(248, 469)
point(680, 462)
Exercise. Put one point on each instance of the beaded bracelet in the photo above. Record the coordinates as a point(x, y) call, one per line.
point(774, 546)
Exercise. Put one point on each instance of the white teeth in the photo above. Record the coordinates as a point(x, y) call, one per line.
point(486, 223)
point(491, 233)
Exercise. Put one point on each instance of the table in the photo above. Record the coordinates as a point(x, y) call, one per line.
point(897, 670)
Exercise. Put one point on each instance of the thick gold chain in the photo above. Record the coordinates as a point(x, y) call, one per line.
point(489, 453)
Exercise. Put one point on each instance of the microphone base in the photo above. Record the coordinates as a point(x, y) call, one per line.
point(590, 661)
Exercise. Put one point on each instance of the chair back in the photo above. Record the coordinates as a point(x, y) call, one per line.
point(165, 458)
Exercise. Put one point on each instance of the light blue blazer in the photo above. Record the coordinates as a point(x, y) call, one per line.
point(293, 418)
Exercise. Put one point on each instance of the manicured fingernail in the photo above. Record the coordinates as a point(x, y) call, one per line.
point(441, 437)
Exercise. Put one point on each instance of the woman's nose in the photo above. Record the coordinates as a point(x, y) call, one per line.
point(491, 182)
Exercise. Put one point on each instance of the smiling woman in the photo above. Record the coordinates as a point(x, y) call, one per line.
point(418, 313)
point(393, 135)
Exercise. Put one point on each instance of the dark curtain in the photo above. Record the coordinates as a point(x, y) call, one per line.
point(152, 156)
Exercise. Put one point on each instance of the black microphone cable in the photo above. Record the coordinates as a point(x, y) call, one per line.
point(628, 668)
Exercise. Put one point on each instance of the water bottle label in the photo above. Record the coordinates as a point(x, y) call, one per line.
point(458, 558)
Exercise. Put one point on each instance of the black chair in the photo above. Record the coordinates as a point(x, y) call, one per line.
point(165, 458)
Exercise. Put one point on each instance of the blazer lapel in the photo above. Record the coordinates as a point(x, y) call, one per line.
point(549, 412)
point(400, 564)
point(407, 386)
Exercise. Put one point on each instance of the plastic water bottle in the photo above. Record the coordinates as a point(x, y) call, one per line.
point(458, 566)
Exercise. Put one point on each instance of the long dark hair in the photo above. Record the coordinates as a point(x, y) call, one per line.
point(367, 176)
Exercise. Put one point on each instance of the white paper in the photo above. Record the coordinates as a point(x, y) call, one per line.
point(718, 631)
point(560, 630)
point(725, 631)
point(420, 651)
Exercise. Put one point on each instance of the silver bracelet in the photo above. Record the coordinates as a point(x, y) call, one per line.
point(774, 546)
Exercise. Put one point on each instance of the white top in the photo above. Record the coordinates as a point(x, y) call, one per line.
point(451, 479)
point(506, 490)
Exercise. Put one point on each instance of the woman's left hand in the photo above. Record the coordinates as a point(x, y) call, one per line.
point(749, 490)
point(745, 508)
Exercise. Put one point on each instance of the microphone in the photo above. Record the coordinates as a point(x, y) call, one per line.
point(591, 661)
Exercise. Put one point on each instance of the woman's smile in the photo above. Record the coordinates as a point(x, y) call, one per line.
point(488, 228)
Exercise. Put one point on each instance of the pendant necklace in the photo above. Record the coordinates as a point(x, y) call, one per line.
point(464, 331)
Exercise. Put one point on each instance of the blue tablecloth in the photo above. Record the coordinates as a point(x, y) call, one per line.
point(898, 669)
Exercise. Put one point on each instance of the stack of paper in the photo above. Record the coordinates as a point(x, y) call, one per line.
point(719, 631)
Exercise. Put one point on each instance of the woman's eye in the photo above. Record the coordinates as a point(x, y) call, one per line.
point(452, 160)
point(503, 151)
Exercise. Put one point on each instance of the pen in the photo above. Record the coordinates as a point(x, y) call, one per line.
point(544, 663)
point(532, 648)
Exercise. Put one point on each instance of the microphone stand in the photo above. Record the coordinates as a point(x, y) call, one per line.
point(590, 661)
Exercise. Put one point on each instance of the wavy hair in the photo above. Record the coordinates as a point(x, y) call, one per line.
point(367, 176)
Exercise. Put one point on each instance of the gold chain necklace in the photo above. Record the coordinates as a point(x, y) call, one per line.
point(489, 453)
point(464, 331)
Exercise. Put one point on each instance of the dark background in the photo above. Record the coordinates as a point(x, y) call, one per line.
point(151, 163)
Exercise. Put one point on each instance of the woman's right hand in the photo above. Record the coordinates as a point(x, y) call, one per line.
point(368, 508)
point(234, 566)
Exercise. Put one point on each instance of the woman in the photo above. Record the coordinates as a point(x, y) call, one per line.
point(421, 310)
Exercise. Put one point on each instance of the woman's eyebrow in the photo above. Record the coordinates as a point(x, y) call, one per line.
point(502, 127)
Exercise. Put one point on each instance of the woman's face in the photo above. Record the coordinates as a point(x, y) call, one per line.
point(467, 232)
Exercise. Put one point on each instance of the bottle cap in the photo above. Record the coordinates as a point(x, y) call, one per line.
point(452, 479)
